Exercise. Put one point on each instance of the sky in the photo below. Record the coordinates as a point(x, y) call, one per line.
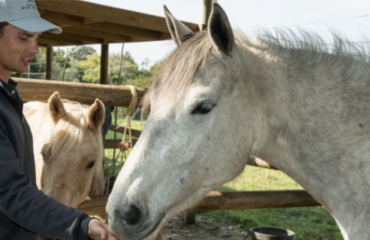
point(350, 18)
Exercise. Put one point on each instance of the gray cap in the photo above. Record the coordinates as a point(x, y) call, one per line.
point(23, 14)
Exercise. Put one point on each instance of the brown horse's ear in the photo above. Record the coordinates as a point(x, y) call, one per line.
point(56, 107)
point(96, 115)
point(220, 31)
point(179, 32)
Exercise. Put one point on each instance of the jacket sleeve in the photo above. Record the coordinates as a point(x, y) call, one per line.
point(29, 207)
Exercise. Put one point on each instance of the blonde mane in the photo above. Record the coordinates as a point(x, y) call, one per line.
point(69, 131)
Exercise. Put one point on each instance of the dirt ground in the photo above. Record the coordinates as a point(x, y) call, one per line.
point(203, 229)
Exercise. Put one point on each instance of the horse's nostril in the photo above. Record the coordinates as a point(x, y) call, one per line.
point(132, 216)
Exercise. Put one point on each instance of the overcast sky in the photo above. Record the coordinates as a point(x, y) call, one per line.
point(348, 17)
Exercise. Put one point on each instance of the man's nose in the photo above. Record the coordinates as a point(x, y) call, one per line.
point(34, 47)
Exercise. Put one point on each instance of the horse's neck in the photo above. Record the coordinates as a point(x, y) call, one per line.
point(312, 136)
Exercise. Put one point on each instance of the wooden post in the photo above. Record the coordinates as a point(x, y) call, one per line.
point(207, 8)
point(104, 63)
point(49, 62)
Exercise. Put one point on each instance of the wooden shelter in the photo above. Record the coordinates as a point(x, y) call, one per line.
point(89, 23)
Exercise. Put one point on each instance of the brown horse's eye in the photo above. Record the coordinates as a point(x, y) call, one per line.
point(46, 152)
point(90, 165)
point(43, 157)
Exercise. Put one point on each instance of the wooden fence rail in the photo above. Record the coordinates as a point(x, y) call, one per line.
point(85, 93)
point(226, 201)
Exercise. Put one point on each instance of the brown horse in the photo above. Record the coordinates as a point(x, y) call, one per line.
point(68, 148)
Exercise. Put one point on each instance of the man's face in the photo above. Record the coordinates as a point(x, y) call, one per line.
point(17, 48)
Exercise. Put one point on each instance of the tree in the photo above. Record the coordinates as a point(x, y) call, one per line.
point(90, 68)
point(129, 69)
point(38, 65)
point(59, 57)
point(80, 53)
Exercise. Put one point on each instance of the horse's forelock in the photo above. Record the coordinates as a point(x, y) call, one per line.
point(178, 71)
point(69, 131)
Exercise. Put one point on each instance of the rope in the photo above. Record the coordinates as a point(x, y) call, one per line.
point(124, 145)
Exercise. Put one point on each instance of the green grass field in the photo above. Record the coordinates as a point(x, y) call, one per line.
point(309, 223)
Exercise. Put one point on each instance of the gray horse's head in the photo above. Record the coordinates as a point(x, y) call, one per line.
point(185, 149)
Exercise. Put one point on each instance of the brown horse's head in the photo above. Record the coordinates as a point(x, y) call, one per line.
point(68, 148)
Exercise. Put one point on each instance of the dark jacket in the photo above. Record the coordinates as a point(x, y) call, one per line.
point(25, 210)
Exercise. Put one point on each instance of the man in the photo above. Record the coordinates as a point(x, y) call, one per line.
point(25, 212)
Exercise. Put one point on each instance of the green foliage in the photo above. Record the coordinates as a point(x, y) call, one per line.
point(59, 57)
point(38, 63)
point(83, 65)
point(121, 73)
point(79, 53)
point(90, 68)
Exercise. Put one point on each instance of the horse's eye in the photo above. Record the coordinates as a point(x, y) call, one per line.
point(43, 157)
point(203, 108)
point(91, 165)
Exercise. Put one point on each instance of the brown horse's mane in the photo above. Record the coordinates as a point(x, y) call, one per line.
point(69, 131)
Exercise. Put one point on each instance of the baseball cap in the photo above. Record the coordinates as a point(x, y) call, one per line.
point(23, 14)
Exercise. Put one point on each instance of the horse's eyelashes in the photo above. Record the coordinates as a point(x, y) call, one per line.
point(91, 165)
point(203, 108)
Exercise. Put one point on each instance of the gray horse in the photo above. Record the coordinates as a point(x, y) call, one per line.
point(301, 107)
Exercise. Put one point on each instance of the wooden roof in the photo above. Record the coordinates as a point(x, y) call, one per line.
point(89, 23)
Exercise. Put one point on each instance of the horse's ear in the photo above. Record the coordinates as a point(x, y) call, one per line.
point(56, 107)
point(219, 30)
point(179, 32)
point(96, 115)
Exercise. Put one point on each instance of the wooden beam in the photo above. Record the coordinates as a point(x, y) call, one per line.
point(108, 14)
point(85, 93)
point(57, 42)
point(227, 201)
point(111, 143)
point(104, 59)
point(97, 34)
point(70, 37)
point(78, 21)
point(207, 8)
point(135, 133)
point(49, 62)
point(255, 200)
point(114, 143)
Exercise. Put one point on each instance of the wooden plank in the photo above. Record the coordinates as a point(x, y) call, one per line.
point(113, 28)
point(135, 133)
point(97, 34)
point(111, 143)
point(108, 14)
point(95, 206)
point(70, 37)
point(227, 201)
point(255, 200)
point(114, 143)
point(104, 59)
point(85, 93)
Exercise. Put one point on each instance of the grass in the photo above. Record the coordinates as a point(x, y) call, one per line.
point(308, 223)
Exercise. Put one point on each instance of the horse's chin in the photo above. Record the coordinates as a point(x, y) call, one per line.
point(147, 232)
